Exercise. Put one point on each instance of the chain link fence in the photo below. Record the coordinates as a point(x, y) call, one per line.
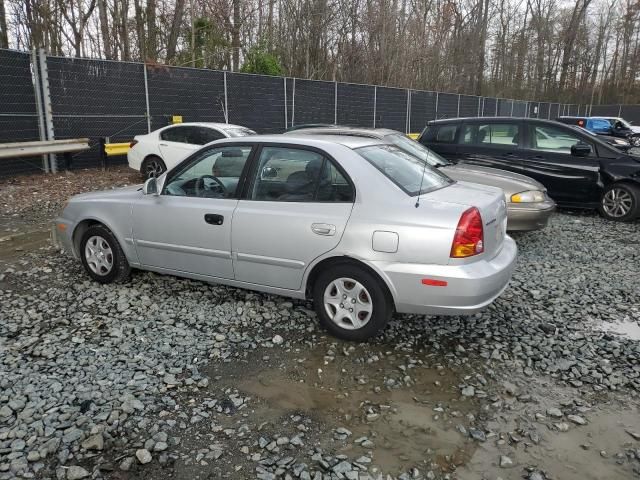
point(118, 100)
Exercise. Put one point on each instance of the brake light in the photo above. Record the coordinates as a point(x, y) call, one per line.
point(133, 143)
point(469, 237)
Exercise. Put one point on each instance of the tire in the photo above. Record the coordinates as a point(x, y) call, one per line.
point(152, 165)
point(108, 263)
point(620, 202)
point(372, 307)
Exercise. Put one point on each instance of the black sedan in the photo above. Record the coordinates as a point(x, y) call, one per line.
point(578, 169)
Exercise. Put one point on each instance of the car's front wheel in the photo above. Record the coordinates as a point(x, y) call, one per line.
point(102, 257)
point(351, 303)
point(153, 167)
point(620, 202)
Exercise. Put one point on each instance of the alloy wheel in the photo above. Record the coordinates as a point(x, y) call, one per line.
point(153, 168)
point(348, 303)
point(98, 255)
point(617, 202)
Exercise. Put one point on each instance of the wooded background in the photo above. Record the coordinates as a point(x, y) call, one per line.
point(573, 51)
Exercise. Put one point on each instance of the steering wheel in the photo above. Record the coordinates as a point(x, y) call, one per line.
point(202, 190)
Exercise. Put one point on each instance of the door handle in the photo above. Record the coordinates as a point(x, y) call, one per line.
point(323, 229)
point(213, 219)
point(163, 144)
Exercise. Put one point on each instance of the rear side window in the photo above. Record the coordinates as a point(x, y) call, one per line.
point(207, 135)
point(495, 134)
point(175, 134)
point(446, 134)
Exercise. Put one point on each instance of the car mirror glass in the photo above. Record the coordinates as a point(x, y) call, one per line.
point(269, 172)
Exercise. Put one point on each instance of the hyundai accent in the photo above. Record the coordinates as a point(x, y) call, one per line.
point(362, 228)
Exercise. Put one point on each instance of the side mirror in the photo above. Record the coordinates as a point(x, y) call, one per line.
point(150, 187)
point(269, 172)
point(580, 150)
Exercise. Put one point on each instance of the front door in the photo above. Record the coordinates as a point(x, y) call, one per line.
point(187, 228)
point(570, 180)
point(296, 209)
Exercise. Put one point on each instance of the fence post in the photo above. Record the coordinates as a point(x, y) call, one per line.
point(511, 108)
point(286, 107)
point(478, 114)
point(620, 110)
point(226, 103)
point(39, 112)
point(437, 98)
point(407, 123)
point(335, 103)
point(293, 103)
point(103, 152)
point(497, 101)
point(458, 106)
point(375, 104)
point(46, 99)
point(146, 97)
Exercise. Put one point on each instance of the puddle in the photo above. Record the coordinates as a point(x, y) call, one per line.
point(347, 392)
point(14, 246)
point(628, 328)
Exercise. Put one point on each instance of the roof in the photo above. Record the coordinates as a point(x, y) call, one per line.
point(207, 124)
point(310, 140)
point(342, 130)
point(487, 119)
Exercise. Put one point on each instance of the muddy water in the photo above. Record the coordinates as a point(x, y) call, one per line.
point(347, 392)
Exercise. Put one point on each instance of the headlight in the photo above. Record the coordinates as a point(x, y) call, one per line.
point(619, 141)
point(530, 196)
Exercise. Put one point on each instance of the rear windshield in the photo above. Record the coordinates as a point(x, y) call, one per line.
point(403, 169)
point(240, 132)
point(416, 149)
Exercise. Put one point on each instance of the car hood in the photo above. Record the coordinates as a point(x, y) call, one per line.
point(122, 193)
point(509, 182)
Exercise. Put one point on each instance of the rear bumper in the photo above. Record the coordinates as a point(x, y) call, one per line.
point(469, 288)
point(529, 216)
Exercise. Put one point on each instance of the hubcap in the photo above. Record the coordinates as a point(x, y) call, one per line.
point(348, 303)
point(153, 168)
point(617, 202)
point(98, 255)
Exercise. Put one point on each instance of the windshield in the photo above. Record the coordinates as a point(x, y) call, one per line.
point(416, 149)
point(240, 132)
point(614, 120)
point(404, 169)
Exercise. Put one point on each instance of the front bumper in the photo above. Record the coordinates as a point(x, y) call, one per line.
point(62, 236)
point(529, 216)
point(470, 287)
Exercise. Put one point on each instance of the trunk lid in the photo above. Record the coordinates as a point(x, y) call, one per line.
point(491, 204)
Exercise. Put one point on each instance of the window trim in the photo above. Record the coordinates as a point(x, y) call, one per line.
point(191, 160)
point(255, 163)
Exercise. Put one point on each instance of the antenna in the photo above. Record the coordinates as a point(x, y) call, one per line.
point(424, 169)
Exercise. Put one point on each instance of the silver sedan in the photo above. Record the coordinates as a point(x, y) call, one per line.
point(528, 205)
point(360, 227)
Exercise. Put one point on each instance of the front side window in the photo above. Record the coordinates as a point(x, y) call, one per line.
point(413, 175)
point(446, 134)
point(494, 134)
point(213, 173)
point(553, 139)
point(297, 175)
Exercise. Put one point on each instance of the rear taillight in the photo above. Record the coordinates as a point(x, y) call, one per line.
point(469, 237)
point(133, 143)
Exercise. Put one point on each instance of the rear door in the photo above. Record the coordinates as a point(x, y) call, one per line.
point(570, 180)
point(176, 143)
point(295, 210)
point(441, 138)
point(492, 144)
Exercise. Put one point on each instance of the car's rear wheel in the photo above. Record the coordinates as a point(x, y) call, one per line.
point(102, 257)
point(620, 202)
point(153, 167)
point(351, 303)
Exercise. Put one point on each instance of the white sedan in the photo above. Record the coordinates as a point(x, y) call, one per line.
point(158, 151)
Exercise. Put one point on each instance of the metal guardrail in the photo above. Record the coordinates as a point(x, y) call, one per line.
point(114, 149)
point(32, 149)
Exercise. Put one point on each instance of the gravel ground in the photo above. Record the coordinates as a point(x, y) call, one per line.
point(171, 378)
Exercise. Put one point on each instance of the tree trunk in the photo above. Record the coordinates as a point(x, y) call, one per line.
point(104, 29)
point(235, 35)
point(174, 33)
point(152, 48)
point(4, 37)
